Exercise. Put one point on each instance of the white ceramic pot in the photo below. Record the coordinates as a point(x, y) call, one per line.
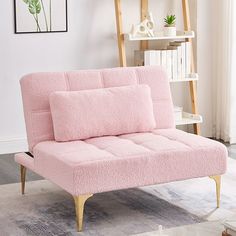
point(169, 31)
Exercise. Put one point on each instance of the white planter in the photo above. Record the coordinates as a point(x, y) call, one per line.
point(169, 31)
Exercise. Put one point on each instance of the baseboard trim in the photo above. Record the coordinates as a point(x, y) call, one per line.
point(233, 140)
point(13, 145)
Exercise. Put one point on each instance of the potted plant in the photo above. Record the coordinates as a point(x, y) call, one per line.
point(169, 28)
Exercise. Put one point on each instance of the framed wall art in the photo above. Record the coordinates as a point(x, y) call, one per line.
point(40, 16)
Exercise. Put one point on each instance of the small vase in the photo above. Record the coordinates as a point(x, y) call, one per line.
point(169, 31)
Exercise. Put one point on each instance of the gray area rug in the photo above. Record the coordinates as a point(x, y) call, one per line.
point(48, 210)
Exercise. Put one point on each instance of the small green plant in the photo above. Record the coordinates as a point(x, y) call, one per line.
point(170, 20)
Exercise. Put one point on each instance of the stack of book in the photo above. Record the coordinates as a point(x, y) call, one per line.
point(176, 59)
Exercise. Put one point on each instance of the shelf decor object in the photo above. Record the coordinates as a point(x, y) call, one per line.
point(145, 28)
point(170, 28)
point(175, 59)
point(40, 16)
point(187, 35)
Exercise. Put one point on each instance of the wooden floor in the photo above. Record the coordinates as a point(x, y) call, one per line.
point(9, 170)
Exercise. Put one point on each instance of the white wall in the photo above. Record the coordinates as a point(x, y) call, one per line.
point(90, 43)
point(205, 27)
point(207, 30)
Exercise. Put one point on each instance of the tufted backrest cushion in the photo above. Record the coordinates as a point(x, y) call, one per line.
point(101, 112)
point(36, 89)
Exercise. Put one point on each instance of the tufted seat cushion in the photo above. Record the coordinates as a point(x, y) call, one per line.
point(138, 159)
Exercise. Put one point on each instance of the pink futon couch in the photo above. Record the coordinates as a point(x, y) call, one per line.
point(84, 165)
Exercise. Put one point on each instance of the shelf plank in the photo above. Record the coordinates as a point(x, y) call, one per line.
point(160, 36)
point(189, 119)
point(192, 77)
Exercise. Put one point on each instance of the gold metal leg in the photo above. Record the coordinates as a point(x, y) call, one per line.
point(217, 180)
point(22, 175)
point(79, 209)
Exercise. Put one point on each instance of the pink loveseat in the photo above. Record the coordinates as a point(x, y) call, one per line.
point(86, 167)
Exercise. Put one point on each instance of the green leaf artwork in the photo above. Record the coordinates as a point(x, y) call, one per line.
point(35, 7)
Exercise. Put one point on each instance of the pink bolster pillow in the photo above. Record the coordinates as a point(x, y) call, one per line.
point(99, 112)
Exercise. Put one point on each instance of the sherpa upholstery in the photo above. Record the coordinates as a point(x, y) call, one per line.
point(94, 113)
point(113, 162)
point(37, 87)
point(132, 160)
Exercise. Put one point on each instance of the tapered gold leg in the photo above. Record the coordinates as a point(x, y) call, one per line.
point(217, 180)
point(79, 209)
point(22, 175)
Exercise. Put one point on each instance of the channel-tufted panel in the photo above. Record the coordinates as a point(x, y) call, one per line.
point(37, 87)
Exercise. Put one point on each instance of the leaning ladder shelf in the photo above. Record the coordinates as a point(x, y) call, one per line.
point(187, 35)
